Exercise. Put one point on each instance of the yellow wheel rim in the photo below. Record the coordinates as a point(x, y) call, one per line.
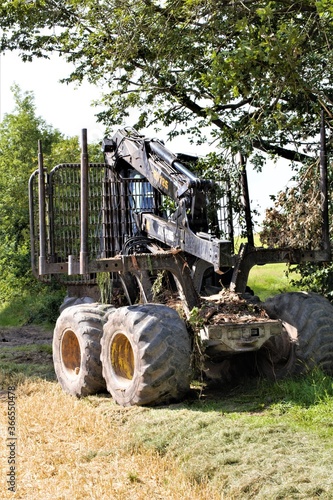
point(122, 357)
point(71, 354)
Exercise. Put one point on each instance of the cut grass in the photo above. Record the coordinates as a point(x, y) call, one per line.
point(255, 441)
point(71, 448)
point(258, 441)
point(243, 444)
point(19, 362)
point(244, 455)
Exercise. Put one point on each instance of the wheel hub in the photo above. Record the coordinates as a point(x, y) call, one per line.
point(122, 358)
point(71, 354)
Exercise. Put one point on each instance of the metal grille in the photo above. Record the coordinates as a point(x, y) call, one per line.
point(112, 206)
point(220, 212)
point(223, 210)
point(63, 210)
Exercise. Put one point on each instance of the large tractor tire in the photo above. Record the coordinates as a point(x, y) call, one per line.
point(76, 348)
point(308, 338)
point(75, 301)
point(145, 355)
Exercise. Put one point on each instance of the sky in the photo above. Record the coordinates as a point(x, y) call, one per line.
point(65, 107)
point(69, 109)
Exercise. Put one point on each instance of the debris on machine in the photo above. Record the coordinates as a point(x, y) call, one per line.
point(222, 307)
point(229, 307)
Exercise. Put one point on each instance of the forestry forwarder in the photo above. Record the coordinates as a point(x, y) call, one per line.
point(141, 220)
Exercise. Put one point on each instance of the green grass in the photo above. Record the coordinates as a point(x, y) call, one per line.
point(14, 313)
point(269, 280)
point(37, 308)
point(32, 349)
point(26, 361)
point(260, 440)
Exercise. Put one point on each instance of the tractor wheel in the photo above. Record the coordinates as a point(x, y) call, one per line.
point(75, 301)
point(308, 338)
point(145, 355)
point(76, 348)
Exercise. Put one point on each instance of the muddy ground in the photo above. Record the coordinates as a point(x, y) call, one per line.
point(27, 352)
point(24, 335)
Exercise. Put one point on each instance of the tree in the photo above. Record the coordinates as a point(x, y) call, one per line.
point(19, 134)
point(68, 150)
point(255, 73)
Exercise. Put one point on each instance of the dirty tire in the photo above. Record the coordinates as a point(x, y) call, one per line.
point(74, 301)
point(76, 348)
point(145, 355)
point(308, 338)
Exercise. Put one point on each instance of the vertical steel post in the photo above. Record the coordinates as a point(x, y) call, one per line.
point(32, 226)
point(84, 205)
point(323, 186)
point(230, 216)
point(247, 207)
point(41, 202)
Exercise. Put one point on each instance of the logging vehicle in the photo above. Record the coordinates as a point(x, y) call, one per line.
point(127, 236)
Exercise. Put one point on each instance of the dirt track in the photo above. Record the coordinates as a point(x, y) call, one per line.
point(17, 336)
point(26, 346)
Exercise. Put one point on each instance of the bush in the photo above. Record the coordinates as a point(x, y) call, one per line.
point(40, 306)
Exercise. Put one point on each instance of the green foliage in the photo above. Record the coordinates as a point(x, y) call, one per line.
point(19, 133)
point(195, 320)
point(69, 151)
point(37, 303)
point(296, 221)
point(45, 308)
point(252, 74)
point(159, 284)
point(315, 277)
point(325, 8)
point(105, 286)
point(271, 279)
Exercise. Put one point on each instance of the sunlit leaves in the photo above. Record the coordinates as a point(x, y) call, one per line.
point(256, 73)
point(19, 134)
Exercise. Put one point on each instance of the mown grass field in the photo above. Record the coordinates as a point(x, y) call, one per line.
point(251, 440)
point(270, 280)
point(259, 440)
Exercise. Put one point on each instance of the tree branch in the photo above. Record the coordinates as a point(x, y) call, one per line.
point(260, 144)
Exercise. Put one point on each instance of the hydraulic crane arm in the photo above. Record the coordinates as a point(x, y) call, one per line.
point(187, 229)
point(155, 162)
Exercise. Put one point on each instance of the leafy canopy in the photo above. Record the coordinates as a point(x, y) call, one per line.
point(255, 74)
point(19, 134)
